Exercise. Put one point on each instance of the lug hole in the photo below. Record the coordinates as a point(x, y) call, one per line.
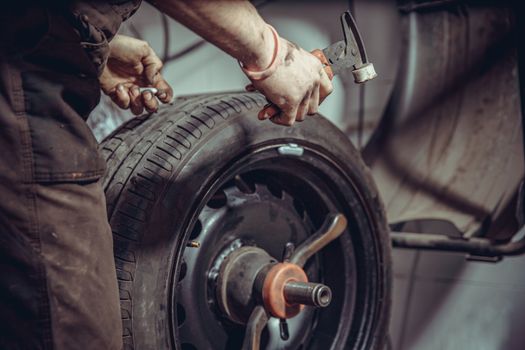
point(299, 207)
point(276, 190)
point(197, 228)
point(181, 315)
point(218, 200)
point(183, 270)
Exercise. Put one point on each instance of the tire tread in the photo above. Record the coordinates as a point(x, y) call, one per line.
point(141, 156)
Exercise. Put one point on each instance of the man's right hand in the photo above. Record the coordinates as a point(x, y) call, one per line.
point(133, 64)
point(296, 87)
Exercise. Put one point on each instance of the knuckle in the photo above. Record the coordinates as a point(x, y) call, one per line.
point(306, 99)
point(317, 63)
point(137, 68)
point(294, 100)
point(144, 46)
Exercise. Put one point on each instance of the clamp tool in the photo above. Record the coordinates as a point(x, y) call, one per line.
point(347, 53)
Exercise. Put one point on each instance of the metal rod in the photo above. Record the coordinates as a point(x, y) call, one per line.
point(313, 294)
point(474, 246)
point(256, 324)
point(332, 228)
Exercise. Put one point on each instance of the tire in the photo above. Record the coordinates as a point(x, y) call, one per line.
point(165, 178)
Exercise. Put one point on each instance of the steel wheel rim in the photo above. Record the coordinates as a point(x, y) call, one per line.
point(264, 161)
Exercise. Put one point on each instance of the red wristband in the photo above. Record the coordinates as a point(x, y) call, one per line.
point(276, 61)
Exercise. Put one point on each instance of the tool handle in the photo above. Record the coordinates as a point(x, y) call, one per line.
point(272, 110)
point(320, 55)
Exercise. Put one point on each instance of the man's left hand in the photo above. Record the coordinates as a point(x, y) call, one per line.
point(133, 64)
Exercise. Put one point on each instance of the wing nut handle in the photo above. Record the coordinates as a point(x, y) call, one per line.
point(364, 73)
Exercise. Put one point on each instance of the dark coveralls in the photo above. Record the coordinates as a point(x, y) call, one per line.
point(58, 286)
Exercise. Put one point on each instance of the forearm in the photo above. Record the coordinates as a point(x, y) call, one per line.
point(232, 25)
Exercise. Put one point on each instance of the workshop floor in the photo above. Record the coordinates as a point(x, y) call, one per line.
point(443, 302)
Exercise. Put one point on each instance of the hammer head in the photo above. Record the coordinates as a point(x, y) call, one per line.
point(365, 73)
point(350, 52)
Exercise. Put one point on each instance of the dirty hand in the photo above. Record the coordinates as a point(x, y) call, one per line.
point(132, 64)
point(297, 85)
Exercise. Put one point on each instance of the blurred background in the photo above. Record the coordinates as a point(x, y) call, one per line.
point(193, 66)
point(440, 300)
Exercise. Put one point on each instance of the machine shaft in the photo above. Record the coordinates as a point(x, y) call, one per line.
point(305, 293)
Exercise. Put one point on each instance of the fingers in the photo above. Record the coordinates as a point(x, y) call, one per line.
point(152, 66)
point(326, 87)
point(294, 109)
point(303, 107)
point(313, 105)
point(287, 115)
point(142, 101)
point(137, 102)
point(292, 112)
point(165, 94)
point(149, 102)
point(268, 111)
point(134, 65)
point(136, 105)
point(120, 96)
point(282, 119)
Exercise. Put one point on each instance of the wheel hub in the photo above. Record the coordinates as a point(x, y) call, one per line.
point(240, 232)
point(285, 285)
point(250, 276)
point(236, 295)
point(276, 302)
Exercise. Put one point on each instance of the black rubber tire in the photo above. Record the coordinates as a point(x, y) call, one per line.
point(157, 169)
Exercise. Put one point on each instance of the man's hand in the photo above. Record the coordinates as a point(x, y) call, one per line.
point(132, 64)
point(297, 86)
